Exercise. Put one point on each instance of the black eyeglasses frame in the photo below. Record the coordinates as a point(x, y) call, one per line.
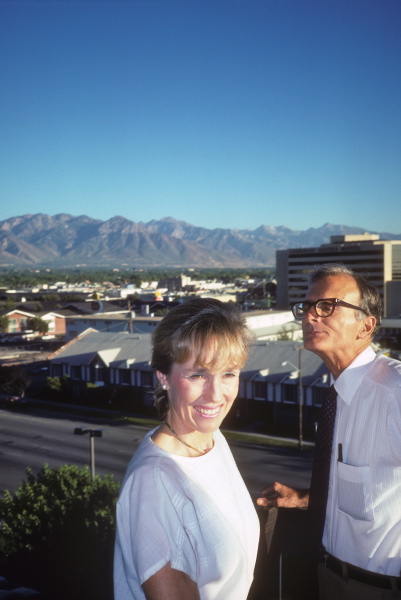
point(334, 302)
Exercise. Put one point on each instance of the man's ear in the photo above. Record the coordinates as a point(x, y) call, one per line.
point(162, 378)
point(367, 328)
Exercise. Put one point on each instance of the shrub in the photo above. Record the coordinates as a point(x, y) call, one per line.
point(58, 533)
point(61, 386)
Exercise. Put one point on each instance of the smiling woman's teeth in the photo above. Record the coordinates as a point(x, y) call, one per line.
point(208, 411)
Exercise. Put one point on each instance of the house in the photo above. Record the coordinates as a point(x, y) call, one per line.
point(112, 323)
point(273, 324)
point(19, 321)
point(92, 307)
point(274, 378)
point(271, 381)
point(57, 316)
point(110, 360)
point(265, 324)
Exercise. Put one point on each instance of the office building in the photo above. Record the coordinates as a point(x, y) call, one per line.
point(379, 260)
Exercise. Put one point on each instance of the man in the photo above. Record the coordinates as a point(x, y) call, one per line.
point(361, 546)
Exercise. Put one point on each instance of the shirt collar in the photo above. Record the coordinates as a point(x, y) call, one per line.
point(350, 379)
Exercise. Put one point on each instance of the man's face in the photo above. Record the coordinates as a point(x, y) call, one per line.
point(335, 338)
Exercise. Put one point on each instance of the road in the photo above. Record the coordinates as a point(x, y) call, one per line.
point(30, 438)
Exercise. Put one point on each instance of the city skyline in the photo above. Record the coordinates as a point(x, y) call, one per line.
point(220, 113)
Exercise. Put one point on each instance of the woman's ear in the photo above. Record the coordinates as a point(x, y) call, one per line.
point(162, 379)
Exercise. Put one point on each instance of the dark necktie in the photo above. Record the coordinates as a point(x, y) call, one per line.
point(321, 468)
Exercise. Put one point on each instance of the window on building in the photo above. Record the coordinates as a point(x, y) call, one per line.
point(125, 376)
point(57, 370)
point(260, 390)
point(97, 374)
point(290, 393)
point(12, 325)
point(396, 262)
point(318, 395)
point(24, 323)
point(147, 379)
point(75, 371)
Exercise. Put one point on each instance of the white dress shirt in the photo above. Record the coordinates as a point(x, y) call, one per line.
point(363, 516)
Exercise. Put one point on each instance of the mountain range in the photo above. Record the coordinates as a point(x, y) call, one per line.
point(65, 240)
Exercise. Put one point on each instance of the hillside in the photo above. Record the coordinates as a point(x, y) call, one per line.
point(65, 241)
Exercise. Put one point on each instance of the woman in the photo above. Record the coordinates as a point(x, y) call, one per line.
point(186, 525)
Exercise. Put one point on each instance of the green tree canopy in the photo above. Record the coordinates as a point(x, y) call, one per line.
point(14, 380)
point(3, 323)
point(59, 385)
point(38, 324)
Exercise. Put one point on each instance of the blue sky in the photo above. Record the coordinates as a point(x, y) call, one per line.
point(221, 113)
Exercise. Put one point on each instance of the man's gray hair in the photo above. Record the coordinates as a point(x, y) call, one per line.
point(370, 297)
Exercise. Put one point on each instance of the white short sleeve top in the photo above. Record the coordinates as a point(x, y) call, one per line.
point(195, 513)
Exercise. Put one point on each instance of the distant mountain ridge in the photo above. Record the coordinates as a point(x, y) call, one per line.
point(65, 240)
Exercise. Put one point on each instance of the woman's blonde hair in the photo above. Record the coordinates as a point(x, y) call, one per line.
point(194, 328)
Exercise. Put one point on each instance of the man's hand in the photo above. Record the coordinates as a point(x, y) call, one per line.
point(283, 496)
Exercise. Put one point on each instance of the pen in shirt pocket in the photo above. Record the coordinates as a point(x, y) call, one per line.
point(340, 453)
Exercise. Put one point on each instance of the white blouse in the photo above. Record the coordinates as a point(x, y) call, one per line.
point(195, 513)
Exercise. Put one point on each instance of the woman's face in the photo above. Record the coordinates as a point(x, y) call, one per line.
point(199, 397)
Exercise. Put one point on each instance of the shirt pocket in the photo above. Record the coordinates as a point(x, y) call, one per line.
point(354, 492)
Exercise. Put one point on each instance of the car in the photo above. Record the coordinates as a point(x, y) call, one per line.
point(15, 402)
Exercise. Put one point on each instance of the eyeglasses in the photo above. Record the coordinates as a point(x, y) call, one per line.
point(324, 307)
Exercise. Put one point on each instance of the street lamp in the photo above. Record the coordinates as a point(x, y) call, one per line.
point(300, 392)
point(92, 434)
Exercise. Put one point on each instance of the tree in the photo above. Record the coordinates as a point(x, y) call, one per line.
point(161, 312)
point(10, 303)
point(3, 323)
point(57, 533)
point(38, 324)
point(52, 298)
point(14, 380)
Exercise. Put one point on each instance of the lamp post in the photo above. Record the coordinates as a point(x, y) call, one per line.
point(92, 434)
point(300, 392)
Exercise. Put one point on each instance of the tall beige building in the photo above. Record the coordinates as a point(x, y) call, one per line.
point(379, 260)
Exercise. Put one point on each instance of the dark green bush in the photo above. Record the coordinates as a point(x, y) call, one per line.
point(57, 533)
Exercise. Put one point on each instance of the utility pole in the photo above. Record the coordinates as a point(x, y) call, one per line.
point(298, 370)
point(92, 434)
point(130, 317)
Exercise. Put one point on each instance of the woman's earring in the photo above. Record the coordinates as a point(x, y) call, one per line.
point(164, 387)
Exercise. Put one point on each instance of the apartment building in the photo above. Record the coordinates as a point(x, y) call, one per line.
point(270, 388)
point(379, 260)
